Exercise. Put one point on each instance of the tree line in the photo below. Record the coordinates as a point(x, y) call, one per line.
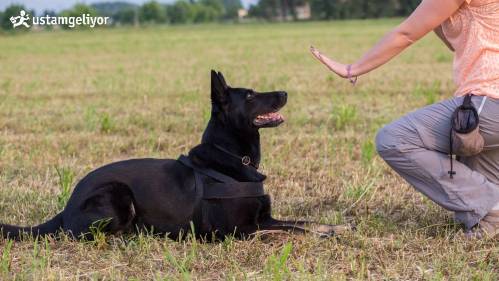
point(333, 9)
point(152, 12)
point(199, 11)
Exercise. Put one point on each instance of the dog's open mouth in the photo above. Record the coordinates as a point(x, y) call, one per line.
point(271, 119)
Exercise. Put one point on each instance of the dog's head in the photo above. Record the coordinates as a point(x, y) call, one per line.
point(245, 109)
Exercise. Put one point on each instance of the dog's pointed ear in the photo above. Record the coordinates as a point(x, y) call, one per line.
point(218, 89)
point(222, 78)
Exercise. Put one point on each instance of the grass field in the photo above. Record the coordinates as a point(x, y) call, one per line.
point(73, 101)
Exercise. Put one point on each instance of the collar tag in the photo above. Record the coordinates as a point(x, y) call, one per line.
point(246, 160)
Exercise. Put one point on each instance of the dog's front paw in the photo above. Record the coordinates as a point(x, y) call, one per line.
point(327, 230)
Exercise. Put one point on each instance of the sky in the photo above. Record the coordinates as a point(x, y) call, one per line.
point(58, 5)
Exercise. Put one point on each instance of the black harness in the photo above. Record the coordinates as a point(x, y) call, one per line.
point(221, 186)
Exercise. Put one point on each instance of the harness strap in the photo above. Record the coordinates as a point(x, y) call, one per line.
point(207, 172)
point(226, 188)
point(197, 217)
point(239, 190)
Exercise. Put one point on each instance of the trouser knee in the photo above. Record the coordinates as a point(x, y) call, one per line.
point(385, 140)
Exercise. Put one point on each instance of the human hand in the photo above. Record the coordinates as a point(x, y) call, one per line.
point(336, 67)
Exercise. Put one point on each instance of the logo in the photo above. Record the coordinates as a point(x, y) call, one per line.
point(71, 22)
point(20, 20)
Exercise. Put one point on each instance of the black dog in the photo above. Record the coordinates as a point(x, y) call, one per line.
point(216, 189)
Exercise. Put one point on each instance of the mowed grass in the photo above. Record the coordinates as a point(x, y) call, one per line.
point(73, 101)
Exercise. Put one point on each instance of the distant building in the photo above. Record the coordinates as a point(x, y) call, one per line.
point(242, 13)
point(303, 12)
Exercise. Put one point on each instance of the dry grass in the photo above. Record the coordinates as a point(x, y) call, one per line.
point(72, 101)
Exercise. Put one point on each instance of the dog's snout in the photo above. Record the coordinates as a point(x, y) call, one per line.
point(284, 96)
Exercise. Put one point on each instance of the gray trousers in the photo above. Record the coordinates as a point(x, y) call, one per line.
point(416, 146)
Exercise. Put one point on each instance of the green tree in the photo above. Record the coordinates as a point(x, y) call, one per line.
point(255, 11)
point(78, 10)
point(283, 9)
point(181, 12)
point(407, 6)
point(204, 13)
point(152, 12)
point(348, 9)
point(381, 8)
point(216, 5)
point(355, 9)
point(267, 9)
point(322, 9)
point(231, 8)
point(126, 16)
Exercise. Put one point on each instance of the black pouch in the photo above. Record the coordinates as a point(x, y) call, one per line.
point(465, 138)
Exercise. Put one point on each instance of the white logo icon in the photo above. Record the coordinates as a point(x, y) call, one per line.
point(20, 20)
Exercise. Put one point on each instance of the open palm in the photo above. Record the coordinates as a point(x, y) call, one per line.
point(336, 67)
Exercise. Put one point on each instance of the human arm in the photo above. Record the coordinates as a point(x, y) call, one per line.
point(428, 15)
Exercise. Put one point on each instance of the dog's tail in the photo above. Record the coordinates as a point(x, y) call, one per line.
point(16, 232)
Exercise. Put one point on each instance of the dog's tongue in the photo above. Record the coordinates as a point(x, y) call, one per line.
point(268, 117)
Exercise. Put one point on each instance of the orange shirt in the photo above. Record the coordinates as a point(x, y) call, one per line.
point(473, 32)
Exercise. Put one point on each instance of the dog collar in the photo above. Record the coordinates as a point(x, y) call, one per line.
point(245, 160)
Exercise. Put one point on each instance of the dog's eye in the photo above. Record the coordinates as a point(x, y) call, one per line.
point(250, 96)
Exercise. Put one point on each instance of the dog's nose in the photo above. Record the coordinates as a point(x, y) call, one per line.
point(283, 95)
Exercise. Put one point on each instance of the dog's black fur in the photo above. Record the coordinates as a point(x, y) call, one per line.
point(160, 194)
